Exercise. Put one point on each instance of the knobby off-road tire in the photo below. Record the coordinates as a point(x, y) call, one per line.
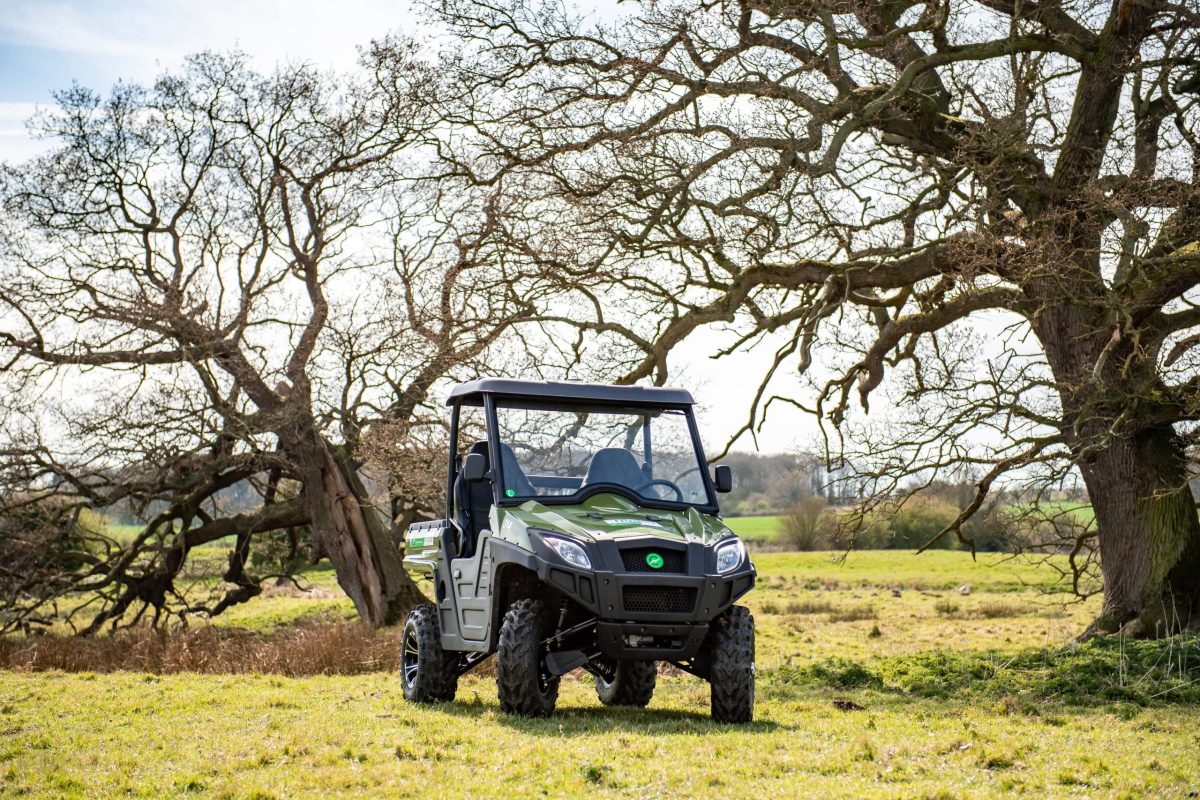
point(632, 684)
point(428, 673)
point(523, 683)
point(731, 650)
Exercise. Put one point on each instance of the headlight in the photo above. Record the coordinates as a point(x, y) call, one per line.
point(730, 556)
point(569, 552)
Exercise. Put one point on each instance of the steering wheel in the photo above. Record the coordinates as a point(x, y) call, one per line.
point(661, 482)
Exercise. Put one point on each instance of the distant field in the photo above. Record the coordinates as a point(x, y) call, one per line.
point(127, 533)
point(759, 530)
point(1081, 512)
point(951, 695)
point(765, 530)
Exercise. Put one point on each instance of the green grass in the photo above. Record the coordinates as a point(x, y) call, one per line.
point(1066, 510)
point(973, 695)
point(318, 598)
point(758, 530)
point(1094, 673)
point(932, 570)
point(263, 736)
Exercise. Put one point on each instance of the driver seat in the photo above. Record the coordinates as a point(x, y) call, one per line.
point(472, 501)
point(615, 465)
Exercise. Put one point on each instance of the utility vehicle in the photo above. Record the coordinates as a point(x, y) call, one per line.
point(582, 531)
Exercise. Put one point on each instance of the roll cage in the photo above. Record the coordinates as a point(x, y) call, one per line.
point(491, 393)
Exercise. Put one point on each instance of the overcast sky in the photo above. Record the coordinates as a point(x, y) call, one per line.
point(47, 44)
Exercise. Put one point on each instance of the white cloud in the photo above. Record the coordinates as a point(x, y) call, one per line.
point(16, 111)
point(63, 27)
point(138, 39)
point(148, 36)
point(15, 142)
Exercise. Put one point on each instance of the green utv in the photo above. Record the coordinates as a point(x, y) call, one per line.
point(582, 532)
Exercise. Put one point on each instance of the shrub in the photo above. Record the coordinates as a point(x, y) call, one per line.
point(40, 538)
point(808, 525)
point(922, 518)
point(992, 531)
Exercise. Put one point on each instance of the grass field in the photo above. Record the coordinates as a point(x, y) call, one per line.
point(876, 679)
point(757, 530)
point(764, 531)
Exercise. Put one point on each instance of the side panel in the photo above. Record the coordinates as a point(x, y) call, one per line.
point(468, 597)
point(472, 581)
point(446, 601)
point(426, 549)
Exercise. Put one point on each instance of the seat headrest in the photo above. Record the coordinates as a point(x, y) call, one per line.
point(514, 476)
point(615, 465)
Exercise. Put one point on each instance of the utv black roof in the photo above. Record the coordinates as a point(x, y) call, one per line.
point(471, 393)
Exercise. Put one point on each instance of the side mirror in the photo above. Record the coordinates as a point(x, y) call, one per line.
point(723, 478)
point(474, 469)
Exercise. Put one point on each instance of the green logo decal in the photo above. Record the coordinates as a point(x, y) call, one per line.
point(654, 561)
point(510, 492)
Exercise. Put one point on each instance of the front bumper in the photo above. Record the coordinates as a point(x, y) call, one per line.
point(648, 614)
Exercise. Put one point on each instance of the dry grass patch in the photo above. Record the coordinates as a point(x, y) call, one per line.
point(304, 649)
point(853, 614)
point(797, 607)
point(995, 609)
point(947, 608)
point(808, 607)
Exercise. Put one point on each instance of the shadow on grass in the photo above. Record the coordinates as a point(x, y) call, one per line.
point(580, 720)
point(1101, 671)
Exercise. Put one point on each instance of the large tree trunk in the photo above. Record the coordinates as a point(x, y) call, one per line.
point(1136, 474)
point(1149, 534)
point(345, 528)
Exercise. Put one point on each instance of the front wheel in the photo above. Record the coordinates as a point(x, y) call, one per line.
point(523, 682)
point(428, 673)
point(731, 674)
point(631, 684)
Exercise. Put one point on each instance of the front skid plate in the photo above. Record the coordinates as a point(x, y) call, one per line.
point(611, 638)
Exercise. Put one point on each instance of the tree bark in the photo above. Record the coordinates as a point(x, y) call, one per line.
point(1136, 473)
point(348, 531)
point(1149, 535)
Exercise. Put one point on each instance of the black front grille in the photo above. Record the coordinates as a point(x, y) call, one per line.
point(635, 560)
point(659, 599)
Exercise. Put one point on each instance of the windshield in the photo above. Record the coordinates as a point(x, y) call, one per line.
point(559, 452)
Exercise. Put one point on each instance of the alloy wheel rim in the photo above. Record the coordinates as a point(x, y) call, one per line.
point(410, 659)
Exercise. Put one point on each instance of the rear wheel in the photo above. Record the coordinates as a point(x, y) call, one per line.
point(428, 673)
point(523, 682)
point(731, 674)
point(631, 684)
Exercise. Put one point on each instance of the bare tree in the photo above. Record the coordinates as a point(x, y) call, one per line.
point(222, 278)
point(851, 182)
